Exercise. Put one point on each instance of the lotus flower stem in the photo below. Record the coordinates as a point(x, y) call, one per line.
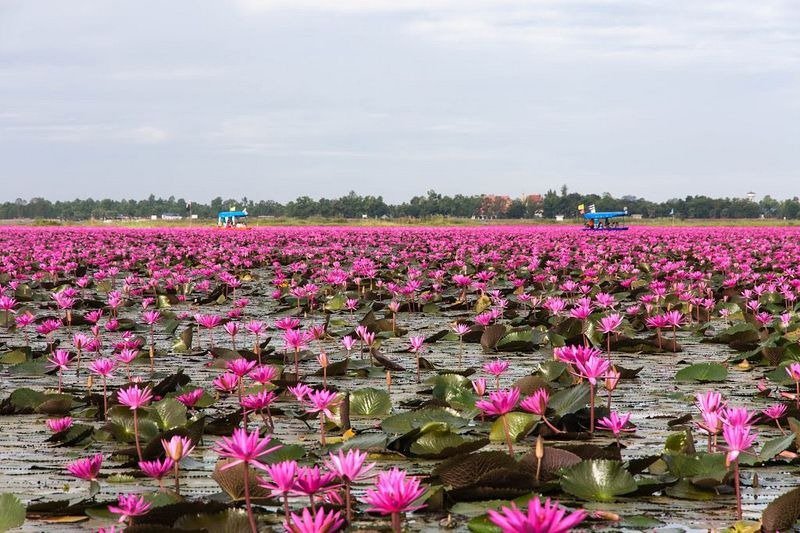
point(507, 433)
point(105, 398)
point(177, 477)
point(738, 489)
point(397, 523)
point(286, 507)
point(136, 434)
point(348, 502)
point(250, 516)
point(591, 408)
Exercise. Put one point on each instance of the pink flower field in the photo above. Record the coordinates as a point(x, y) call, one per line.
point(308, 379)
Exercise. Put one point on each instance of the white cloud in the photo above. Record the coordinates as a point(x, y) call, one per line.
point(84, 133)
point(168, 74)
point(147, 135)
point(760, 34)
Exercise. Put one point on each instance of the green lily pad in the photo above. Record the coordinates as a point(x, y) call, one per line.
point(404, 422)
point(685, 490)
point(519, 425)
point(446, 386)
point(33, 367)
point(370, 402)
point(598, 480)
point(551, 370)
point(226, 521)
point(12, 512)
point(13, 357)
point(120, 423)
point(482, 524)
point(771, 448)
point(703, 372)
point(570, 400)
point(703, 469)
point(167, 414)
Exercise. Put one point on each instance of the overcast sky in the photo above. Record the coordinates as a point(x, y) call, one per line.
point(280, 98)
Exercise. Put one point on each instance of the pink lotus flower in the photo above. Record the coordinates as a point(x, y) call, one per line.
point(57, 425)
point(500, 402)
point(177, 447)
point(479, 386)
point(310, 481)
point(102, 367)
point(300, 391)
point(738, 439)
point(349, 467)
point(150, 317)
point(227, 382)
point(321, 521)
point(60, 359)
point(240, 366)
point(536, 403)
point(540, 518)
point(263, 374)
point(282, 477)
point(496, 368)
point(246, 449)
point(157, 468)
point(134, 398)
point(615, 423)
point(190, 399)
point(348, 342)
point(287, 323)
point(775, 412)
point(87, 468)
point(130, 506)
point(394, 493)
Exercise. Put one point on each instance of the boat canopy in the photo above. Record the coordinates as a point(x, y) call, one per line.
point(232, 214)
point(605, 215)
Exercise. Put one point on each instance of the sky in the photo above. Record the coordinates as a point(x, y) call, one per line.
point(274, 99)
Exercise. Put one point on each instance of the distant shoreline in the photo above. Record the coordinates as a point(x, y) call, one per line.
point(398, 222)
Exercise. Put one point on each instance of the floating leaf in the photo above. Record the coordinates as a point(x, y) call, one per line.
point(228, 521)
point(773, 447)
point(782, 512)
point(703, 372)
point(482, 524)
point(167, 414)
point(702, 469)
point(370, 402)
point(519, 340)
point(491, 335)
point(598, 480)
point(405, 422)
point(13, 357)
point(449, 386)
point(685, 490)
point(12, 512)
point(570, 400)
point(551, 370)
point(519, 425)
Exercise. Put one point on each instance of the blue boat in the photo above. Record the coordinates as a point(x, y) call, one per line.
point(232, 219)
point(603, 221)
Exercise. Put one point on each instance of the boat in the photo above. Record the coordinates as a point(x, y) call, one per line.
point(602, 220)
point(232, 219)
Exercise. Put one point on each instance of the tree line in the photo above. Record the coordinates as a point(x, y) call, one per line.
point(353, 205)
